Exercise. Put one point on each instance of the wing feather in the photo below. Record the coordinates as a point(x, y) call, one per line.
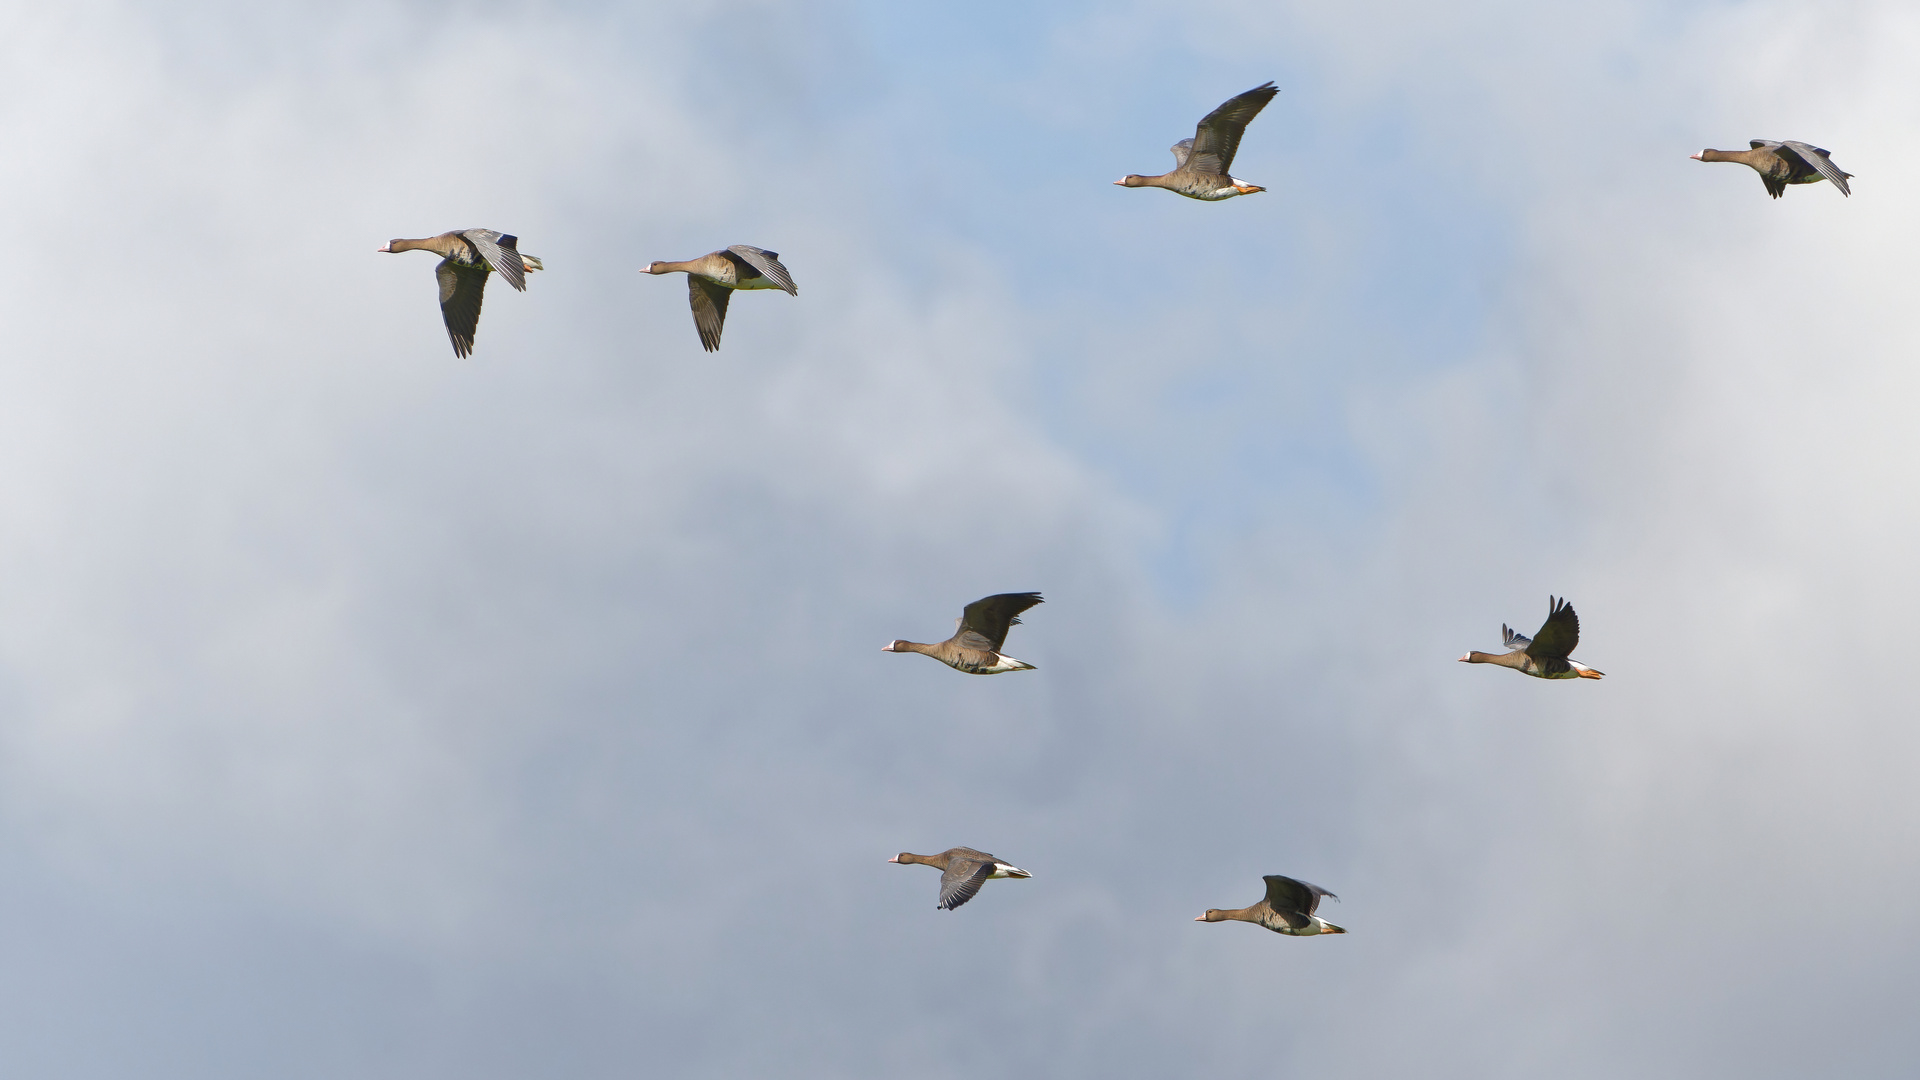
point(1559, 635)
point(990, 617)
point(1217, 139)
point(962, 879)
point(1819, 161)
point(768, 264)
point(1293, 900)
point(502, 252)
point(709, 309)
point(461, 290)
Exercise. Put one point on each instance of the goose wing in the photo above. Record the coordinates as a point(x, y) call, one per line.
point(1217, 138)
point(1559, 635)
point(709, 309)
point(963, 877)
point(1513, 638)
point(1818, 159)
point(768, 264)
point(1181, 150)
point(1292, 899)
point(985, 622)
point(461, 288)
point(502, 252)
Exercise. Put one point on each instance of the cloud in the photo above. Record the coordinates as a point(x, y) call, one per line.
point(367, 710)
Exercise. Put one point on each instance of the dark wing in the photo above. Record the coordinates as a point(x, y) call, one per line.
point(768, 263)
point(963, 878)
point(709, 309)
point(1293, 900)
point(990, 617)
point(1559, 635)
point(1514, 639)
point(1218, 137)
point(460, 291)
point(1180, 151)
point(502, 252)
point(1817, 158)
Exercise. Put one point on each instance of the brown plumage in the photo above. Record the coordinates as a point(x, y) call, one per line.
point(1288, 909)
point(962, 871)
point(1783, 163)
point(467, 256)
point(1546, 654)
point(975, 647)
point(1202, 162)
point(712, 279)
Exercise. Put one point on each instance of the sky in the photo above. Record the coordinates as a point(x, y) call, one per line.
point(370, 712)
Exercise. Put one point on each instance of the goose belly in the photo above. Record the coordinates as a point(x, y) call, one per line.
point(755, 282)
point(1001, 663)
point(1209, 190)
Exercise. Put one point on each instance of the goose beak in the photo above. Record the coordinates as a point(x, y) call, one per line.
point(1199, 918)
point(888, 647)
point(1466, 658)
point(896, 858)
point(1693, 157)
point(1119, 183)
point(388, 248)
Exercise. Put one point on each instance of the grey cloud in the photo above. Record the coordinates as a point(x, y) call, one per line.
point(367, 711)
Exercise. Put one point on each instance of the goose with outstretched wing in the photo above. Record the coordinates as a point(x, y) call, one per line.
point(975, 646)
point(713, 278)
point(1545, 655)
point(1201, 163)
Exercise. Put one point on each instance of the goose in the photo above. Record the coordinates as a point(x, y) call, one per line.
point(962, 872)
point(1201, 163)
point(1544, 655)
point(1783, 163)
point(1288, 909)
point(713, 277)
point(975, 647)
point(467, 256)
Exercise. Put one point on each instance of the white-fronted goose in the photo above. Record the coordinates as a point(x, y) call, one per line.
point(975, 647)
point(1545, 654)
point(713, 277)
point(1201, 163)
point(1288, 909)
point(1783, 163)
point(466, 257)
point(962, 872)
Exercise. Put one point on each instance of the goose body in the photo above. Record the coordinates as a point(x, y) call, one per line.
point(1288, 908)
point(1201, 163)
point(1546, 654)
point(713, 278)
point(467, 256)
point(975, 646)
point(1783, 163)
point(962, 871)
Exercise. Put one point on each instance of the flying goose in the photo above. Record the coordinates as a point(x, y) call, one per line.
point(975, 647)
point(1543, 656)
point(713, 277)
point(1783, 163)
point(467, 256)
point(1288, 909)
point(1201, 163)
point(962, 872)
